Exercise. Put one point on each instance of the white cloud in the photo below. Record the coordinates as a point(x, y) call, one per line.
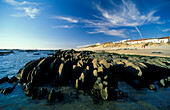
point(123, 15)
point(62, 26)
point(166, 30)
point(112, 32)
point(114, 20)
point(13, 2)
point(26, 8)
point(65, 18)
point(126, 15)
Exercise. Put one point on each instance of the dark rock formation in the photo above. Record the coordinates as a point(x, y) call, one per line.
point(13, 80)
point(52, 95)
point(4, 79)
point(95, 73)
point(6, 53)
point(8, 89)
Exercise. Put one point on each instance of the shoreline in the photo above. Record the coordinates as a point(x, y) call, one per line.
point(157, 51)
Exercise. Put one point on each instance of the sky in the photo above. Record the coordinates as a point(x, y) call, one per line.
point(66, 24)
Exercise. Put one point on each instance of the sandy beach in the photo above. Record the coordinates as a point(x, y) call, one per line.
point(161, 51)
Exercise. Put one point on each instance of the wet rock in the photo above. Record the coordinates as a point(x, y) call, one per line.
point(37, 77)
point(45, 63)
point(152, 87)
point(36, 54)
point(9, 89)
point(80, 81)
point(39, 93)
point(103, 90)
point(43, 92)
point(162, 82)
point(132, 69)
point(35, 93)
point(12, 80)
point(28, 89)
point(65, 72)
point(4, 79)
point(52, 95)
point(23, 73)
point(6, 53)
point(59, 96)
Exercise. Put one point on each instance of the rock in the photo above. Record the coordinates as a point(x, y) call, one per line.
point(9, 89)
point(36, 54)
point(152, 87)
point(104, 93)
point(35, 94)
point(23, 73)
point(43, 93)
point(131, 69)
point(4, 79)
point(162, 82)
point(39, 93)
point(37, 77)
point(59, 96)
point(95, 63)
point(44, 64)
point(6, 53)
point(52, 95)
point(30, 50)
point(12, 80)
point(28, 89)
point(80, 63)
point(65, 72)
point(100, 69)
point(80, 81)
point(105, 90)
point(98, 84)
point(95, 73)
point(104, 63)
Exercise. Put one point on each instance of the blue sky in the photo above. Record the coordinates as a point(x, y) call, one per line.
point(56, 24)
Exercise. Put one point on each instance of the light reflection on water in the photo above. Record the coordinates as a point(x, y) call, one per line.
point(137, 99)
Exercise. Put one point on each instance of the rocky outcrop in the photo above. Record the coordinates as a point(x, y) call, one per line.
point(8, 89)
point(6, 53)
point(95, 73)
point(4, 79)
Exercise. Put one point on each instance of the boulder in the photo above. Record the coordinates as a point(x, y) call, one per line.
point(44, 64)
point(103, 90)
point(9, 89)
point(95, 63)
point(23, 73)
point(162, 82)
point(36, 76)
point(80, 63)
point(43, 92)
point(95, 73)
point(52, 95)
point(59, 96)
point(65, 72)
point(104, 63)
point(12, 80)
point(28, 89)
point(131, 69)
point(39, 93)
point(4, 79)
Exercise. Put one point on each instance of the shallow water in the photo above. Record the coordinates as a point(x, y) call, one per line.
point(143, 99)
